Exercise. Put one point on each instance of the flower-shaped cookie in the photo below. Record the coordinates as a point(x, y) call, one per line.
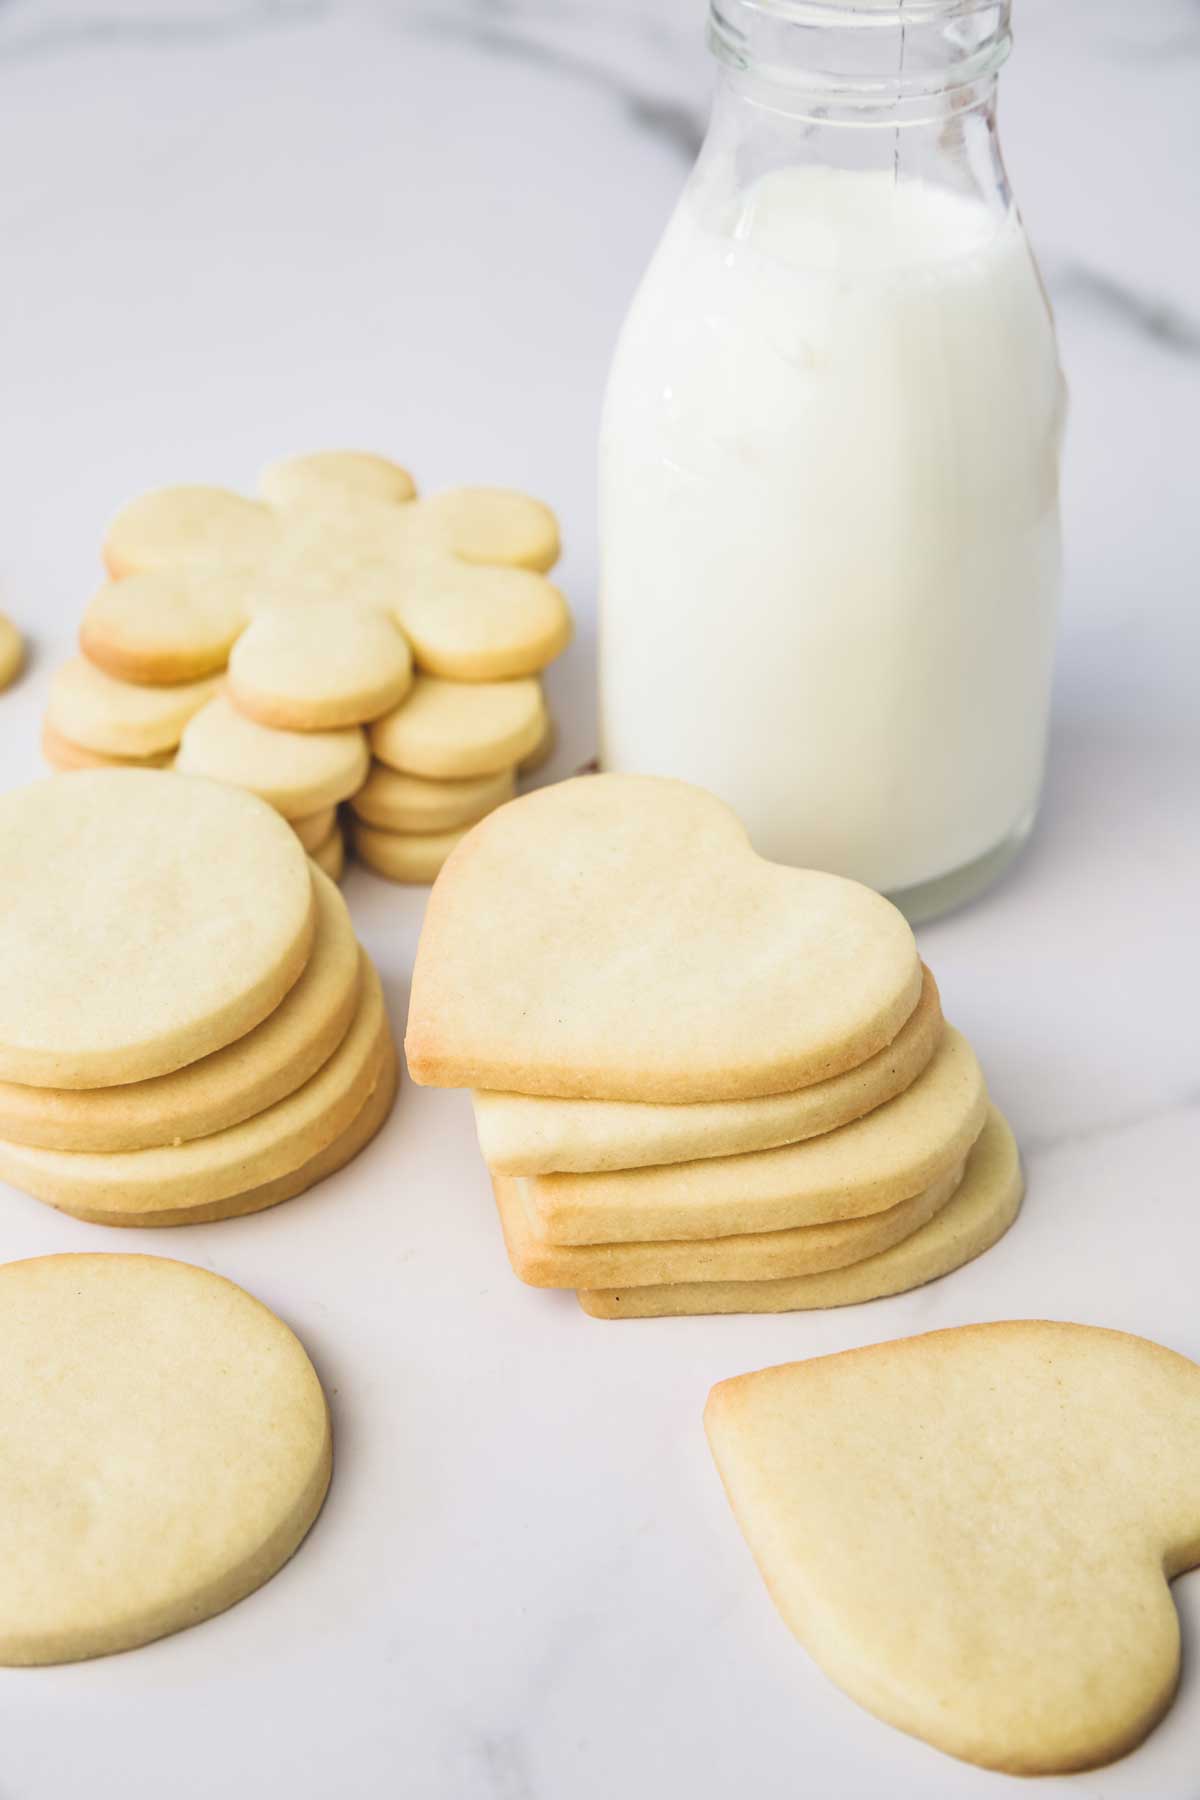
point(462, 572)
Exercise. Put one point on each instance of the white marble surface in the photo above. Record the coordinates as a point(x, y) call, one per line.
point(236, 228)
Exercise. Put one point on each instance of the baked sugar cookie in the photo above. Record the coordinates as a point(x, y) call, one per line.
point(330, 856)
point(977, 1216)
point(754, 1256)
point(120, 718)
point(541, 753)
point(167, 1447)
point(63, 755)
point(318, 667)
point(295, 480)
point(493, 525)
point(232, 1084)
point(415, 858)
point(315, 828)
point(164, 628)
point(12, 652)
point(474, 623)
point(394, 802)
point(523, 1134)
point(615, 937)
point(447, 730)
point(972, 1532)
point(210, 1177)
point(175, 528)
point(296, 772)
point(861, 1168)
point(134, 937)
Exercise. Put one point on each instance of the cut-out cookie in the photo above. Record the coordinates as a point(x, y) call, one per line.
point(524, 1134)
point(319, 667)
point(861, 1168)
point(460, 572)
point(394, 802)
point(296, 772)
point(232, 1084)
point(972, 1532)
point(63, 755)
point(12, 652)
point(415, 858)
point(134, 936)
point(615, 937)
point(448, 730)
point(315, 828)
point(980, 1212)
point(753, 1256)
point(165, 628)
point(210, 1177)
point(120, 718)
point(175, 528)
point(330, 856)
point(295, 479)
point(167, 1446)
point(494, 525)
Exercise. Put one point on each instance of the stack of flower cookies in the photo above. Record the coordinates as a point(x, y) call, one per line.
point(703, 1082)
point(188, 1027)
point(256, 641)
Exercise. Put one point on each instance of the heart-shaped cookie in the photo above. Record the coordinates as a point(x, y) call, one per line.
point(616, 938)
point(973, 1531)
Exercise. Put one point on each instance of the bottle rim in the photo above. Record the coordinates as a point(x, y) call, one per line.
point(824, 44)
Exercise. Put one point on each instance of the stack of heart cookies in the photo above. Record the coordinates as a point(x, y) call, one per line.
point(254, 641)
point(189, 1029)
point(703, 1082)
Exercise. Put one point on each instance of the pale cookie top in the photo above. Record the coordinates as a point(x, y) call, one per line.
point(12, 651)
point(133, 933)
point(232, 1084)
point(972, 1531)
point(320, 665)
point(182, 527)
point(295, 479)
point(494, 525)
point(165, 627)
point(616, 937)
point(167, 1447)
point(297, 772)
point(452, 729)
point(119, 718)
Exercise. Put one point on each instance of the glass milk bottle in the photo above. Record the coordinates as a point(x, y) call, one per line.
point(829, 458)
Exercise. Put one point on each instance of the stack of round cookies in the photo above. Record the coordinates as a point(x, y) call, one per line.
point(703, 1082)
point(253, 641)
point(189, 1029)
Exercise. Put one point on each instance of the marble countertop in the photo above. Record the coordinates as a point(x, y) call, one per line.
point(248, 226)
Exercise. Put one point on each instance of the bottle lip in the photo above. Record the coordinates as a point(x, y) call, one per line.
point(847, 45)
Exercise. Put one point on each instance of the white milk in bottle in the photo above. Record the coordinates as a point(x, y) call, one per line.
point(829, 472)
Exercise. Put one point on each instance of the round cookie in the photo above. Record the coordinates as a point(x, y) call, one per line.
point(296, 772)
point(493, 525)
point(322, 474)
point(985, 1205)
point(167, 1449)
point(212, 1177)
point(319, 666)
point(133, 935)
point(178, 527)
point(63, 755)
point(330, 856)
point(447, 730)
point(541, 753)
point(394, 802)
point(165, 627)
point(315, 828)
point(471, 622)
point(121, 718)
point(12, 652)
point(413, 858)
point(229, 1085)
